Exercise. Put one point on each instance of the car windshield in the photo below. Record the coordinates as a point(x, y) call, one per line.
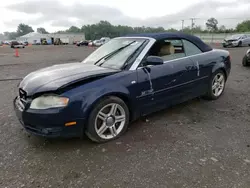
point(114, 53)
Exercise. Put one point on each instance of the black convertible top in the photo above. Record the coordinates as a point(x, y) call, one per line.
point(176, 35)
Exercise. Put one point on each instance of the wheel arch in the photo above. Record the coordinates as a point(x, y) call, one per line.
point(225, 72)
point(221, 67)
point(123, 96)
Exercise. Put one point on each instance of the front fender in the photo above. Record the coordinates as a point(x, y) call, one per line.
point(93, 98)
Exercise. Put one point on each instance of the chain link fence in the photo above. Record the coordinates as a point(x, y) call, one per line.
point(215, 37)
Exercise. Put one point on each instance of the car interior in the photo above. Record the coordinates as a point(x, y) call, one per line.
point(168, 50)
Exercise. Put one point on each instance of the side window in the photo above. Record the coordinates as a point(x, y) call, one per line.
point(168, 49)
point(190, 48)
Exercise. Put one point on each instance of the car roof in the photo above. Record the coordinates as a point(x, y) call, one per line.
point(175, 35)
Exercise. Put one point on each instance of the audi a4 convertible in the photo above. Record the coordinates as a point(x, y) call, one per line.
point(124, 79)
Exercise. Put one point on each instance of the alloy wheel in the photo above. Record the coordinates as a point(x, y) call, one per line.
point(110, 121)
point(218, 84)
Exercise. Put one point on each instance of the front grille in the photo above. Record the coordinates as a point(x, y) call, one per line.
point(19, 104)
point(22, 98)
point(22, 94)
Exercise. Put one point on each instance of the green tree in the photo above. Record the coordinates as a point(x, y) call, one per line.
point(41, 30)
point(106, 29)
point(10, 35)
point(23, 29)
point(1, 37)
point(222, 28)
point(243, 26)
point(73, 29)
point(212, 24)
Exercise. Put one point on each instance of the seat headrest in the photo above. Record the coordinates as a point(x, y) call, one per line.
point(167, 49)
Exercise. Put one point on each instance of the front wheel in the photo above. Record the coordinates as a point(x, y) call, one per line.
point(216, 85)
point(244, 61)
point(108, 120)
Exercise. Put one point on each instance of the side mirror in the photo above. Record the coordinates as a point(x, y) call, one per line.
point(154, 60)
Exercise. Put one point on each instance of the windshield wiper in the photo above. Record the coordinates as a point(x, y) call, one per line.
point(131, 55)
point(113, 53)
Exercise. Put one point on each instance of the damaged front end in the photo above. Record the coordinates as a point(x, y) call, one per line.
point(53, 113)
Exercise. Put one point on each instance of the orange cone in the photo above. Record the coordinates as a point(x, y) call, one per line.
point(16, 53)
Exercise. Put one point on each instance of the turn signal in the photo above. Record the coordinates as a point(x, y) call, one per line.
point(70, 123)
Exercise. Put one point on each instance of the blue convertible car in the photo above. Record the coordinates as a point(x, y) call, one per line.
point(124, 79)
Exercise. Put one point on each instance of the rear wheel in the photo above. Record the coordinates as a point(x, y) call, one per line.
point(216, 85)
point(108, 120)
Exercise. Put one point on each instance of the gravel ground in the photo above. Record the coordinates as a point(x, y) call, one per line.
point(197, 144)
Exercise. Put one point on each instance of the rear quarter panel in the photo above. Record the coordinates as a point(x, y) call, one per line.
point(211, 61)
point(223, 61)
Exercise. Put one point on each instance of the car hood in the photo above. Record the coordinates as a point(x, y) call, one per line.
point(232, 39)
point(56, 76)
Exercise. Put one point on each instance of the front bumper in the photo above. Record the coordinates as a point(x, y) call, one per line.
point(248, 57)
point(48, 123)
point(229, 44)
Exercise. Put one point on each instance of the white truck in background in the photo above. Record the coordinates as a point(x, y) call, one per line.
point(65, 40)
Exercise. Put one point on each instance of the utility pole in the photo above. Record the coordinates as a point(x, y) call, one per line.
point(192, 24)
point(182, 25)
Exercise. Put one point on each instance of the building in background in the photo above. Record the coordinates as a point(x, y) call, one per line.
point(38, 38)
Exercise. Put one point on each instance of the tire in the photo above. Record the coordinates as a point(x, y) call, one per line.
point(211, 94)
point(244, 61)
point(96, 121)
point(240, 44)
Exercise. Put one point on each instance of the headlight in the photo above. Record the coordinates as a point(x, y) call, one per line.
point(45, 102)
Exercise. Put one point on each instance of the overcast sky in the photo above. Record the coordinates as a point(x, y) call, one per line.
point(61, 14)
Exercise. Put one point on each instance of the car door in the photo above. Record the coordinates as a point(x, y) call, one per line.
point(204, 63)
point(244, 40)
point(163, 85)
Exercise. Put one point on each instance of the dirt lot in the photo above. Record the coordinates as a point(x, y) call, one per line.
point(197, 144)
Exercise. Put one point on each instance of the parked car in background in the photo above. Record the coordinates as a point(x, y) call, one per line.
point(7, 42)
point(246, 59)
point(16, 44)
point(124, 79)
point(97, 43)
point(82, 43)
point(26, 43)
point(101, 41)
point(237, 41)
